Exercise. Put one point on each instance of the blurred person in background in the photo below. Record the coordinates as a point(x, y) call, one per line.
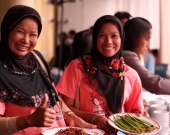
point(60, 58)
point(63, 49)
point(82, 44)
point(72, 34)
point(148, 61)
point(123, 16)
point(138, 32)
point(70, 38)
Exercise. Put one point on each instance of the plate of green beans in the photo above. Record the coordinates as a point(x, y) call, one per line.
point(133, 124)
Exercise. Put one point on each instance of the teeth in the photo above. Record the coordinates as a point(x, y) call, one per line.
point(22, 47)
point(109, 47)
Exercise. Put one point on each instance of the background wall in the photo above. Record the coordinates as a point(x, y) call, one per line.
point(165, 32)
point(83, 13)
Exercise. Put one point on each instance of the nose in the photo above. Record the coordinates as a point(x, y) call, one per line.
point(108, 39)
point(26, 38)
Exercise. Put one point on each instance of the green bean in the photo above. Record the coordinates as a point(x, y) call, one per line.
point(128, 122)
point(132, 124)
point(123, 125)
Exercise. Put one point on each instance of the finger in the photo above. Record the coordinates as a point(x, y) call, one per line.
point(48, 121)
point(139, 113)
point(146, 103)
point(70, 123)
point(48, 124)
point(146, 114)
point(142, 113)
point(88, 125)
point(43, 104)
point(51, 112)
point(85, 124)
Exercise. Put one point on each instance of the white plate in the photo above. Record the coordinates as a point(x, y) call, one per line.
point(87, 130)
point(148, 119)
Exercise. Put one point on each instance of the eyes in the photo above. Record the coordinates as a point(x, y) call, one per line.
point(34, 35)
point(147, 38)
point(31, 34)
point(113, 36)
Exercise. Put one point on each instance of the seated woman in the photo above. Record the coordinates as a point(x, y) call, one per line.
point(29, 103)
point(99, 84)
point(138, 32)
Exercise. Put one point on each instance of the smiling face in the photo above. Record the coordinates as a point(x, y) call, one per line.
point(143, 42)
point(23, 38)
point(108, 40)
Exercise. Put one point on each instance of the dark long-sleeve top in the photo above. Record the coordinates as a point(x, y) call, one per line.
point(152, 83)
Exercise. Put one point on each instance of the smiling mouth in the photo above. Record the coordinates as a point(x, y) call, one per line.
point(22, 47)
point(108, 47)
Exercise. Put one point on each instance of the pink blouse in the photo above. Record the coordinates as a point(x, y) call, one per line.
point(73, 80)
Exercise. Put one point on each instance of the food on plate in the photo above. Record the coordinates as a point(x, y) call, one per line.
point(133, 124)
point(71, 131)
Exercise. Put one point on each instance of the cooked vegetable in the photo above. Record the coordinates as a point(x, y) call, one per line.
point(132, 124)
point(71, 131)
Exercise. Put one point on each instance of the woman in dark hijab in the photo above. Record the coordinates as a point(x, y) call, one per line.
point(99, 84)
point(27, 94)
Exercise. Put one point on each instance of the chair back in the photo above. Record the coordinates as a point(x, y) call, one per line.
point(161, 69)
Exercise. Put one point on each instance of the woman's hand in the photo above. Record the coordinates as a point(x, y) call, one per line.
point(75, 121)
point(145, 103)
point(42, 117)
point(102, 123)
point(141, 113)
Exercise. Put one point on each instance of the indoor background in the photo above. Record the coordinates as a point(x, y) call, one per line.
point(81, 14)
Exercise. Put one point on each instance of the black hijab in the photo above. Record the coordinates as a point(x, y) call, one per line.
point(22, 80)
point(103, 72)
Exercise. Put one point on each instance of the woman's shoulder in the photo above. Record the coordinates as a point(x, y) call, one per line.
point(129, 54)
point(75, 62)
point(132, 78)
point(131, 72)
point(38, 53)
point(40, 56)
